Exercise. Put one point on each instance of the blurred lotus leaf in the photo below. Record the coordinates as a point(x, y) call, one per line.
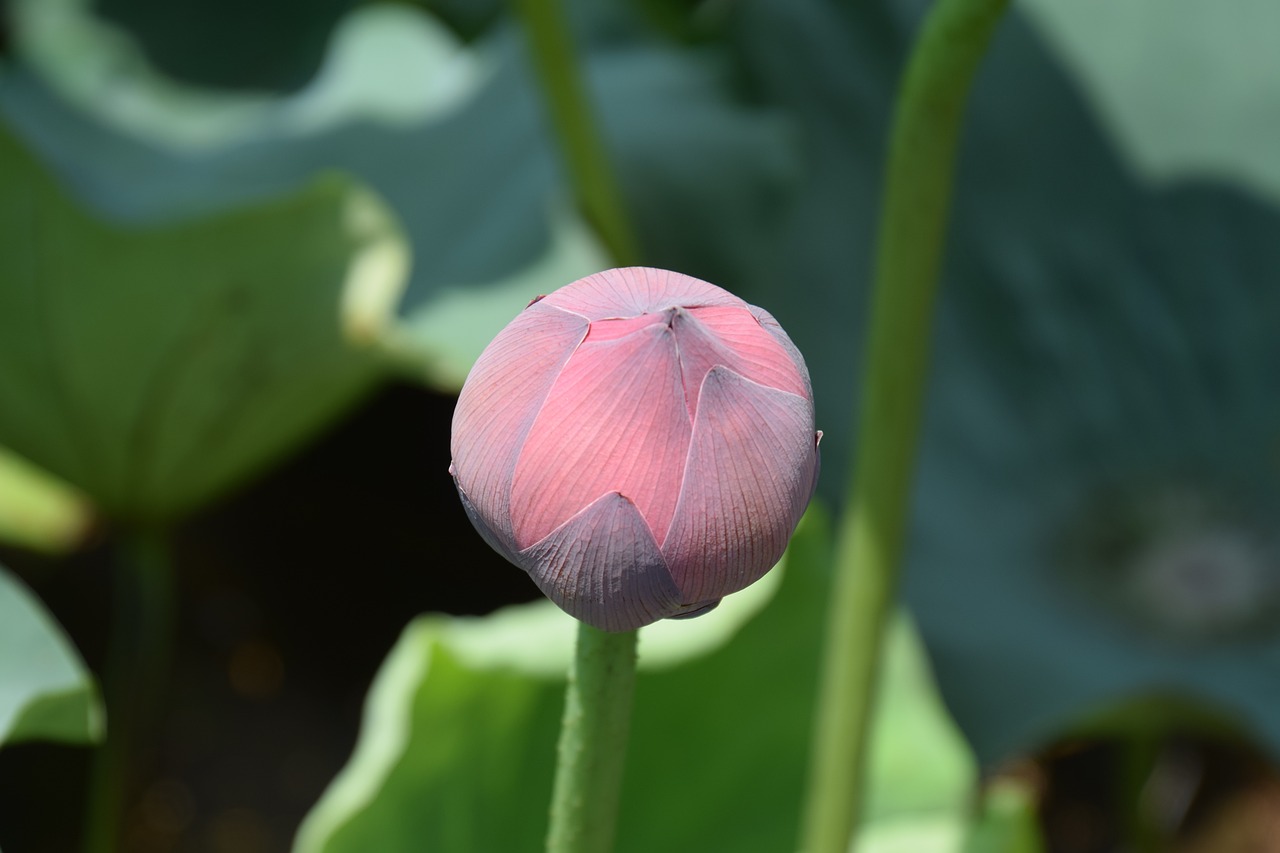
point(1099, 491)
point(462, 153)
point(249, 44)
point(45, 691)
point(155, 367)
point(1105, 349)
point(439, 342)
point(386, 64)
point(496, 685)
point(1191, 89)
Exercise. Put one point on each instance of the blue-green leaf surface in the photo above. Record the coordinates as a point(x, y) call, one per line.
point(461, 152)
point(1098, 490)
point(1098, 486)
point(1190, 89)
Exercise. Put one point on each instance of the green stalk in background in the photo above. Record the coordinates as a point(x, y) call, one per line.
point(871, 529)
point(133, 679)
point(593, 742)
point(582, 145)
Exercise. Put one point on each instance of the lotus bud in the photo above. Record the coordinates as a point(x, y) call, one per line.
point(640, 442)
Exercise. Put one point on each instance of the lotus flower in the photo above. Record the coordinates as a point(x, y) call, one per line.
point(640, 442)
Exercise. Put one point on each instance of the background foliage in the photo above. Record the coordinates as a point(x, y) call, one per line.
point(230, 230)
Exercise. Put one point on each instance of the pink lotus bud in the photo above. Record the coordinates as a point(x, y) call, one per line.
point(640, 442)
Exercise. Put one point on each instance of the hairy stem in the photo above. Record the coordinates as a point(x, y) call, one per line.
point(593, 742)
point(870, 535)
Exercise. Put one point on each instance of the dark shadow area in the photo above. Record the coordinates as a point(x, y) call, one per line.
point(289, 596)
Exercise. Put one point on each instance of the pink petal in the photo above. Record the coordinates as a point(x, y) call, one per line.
point(604, 567)
point(503, 544)
point(730, 337)
point(775, 330)
point(608, 330)
point(629, 291)
point(750, 473)
point(499, 402)
point(615, 420)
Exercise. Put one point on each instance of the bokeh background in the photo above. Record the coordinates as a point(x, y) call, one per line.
point(248, 252)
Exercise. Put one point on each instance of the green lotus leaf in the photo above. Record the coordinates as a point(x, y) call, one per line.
point(462, 723)
point(156, 367)
point(438, 342)
point(453, 137)
point(386, 63)
point(45, 691)
point(233, 44)
point(1187, 89)
point(1097, 483)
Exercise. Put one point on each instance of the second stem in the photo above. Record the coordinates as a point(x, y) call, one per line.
point(585, 156)
point(922, 146)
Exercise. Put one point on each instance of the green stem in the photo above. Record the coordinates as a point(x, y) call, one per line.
point(1139, 762)
point(593, 742)
point(585, 157)
point(132, 680)
point(869, 541)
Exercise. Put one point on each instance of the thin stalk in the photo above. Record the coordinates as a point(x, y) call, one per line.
point(870, 535)
point(593, 742)
point(132, 680)
point(1140, 761)
point(582, 145)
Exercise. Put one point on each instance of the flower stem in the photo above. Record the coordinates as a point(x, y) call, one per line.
point(132, 680)
point(585, 156)
point(593, 742)
point(870, 535)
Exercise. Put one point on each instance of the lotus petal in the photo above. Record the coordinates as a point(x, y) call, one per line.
point(752, 463)
point(637, 290)
point(614, 421)
point(498, 405)
point(603, 566)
